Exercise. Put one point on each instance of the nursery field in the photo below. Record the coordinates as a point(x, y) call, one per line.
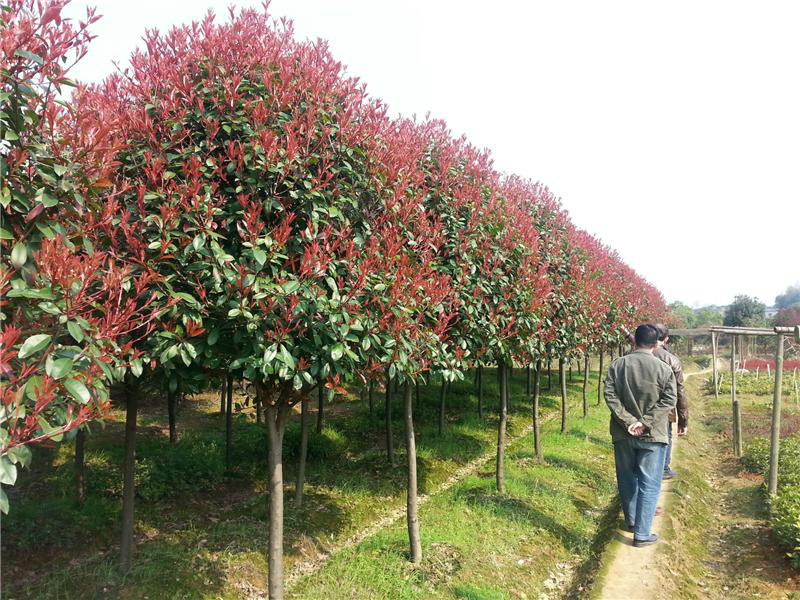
point(202, 532)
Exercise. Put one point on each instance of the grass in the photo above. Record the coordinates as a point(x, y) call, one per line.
point(201, 533)
point(480, 544)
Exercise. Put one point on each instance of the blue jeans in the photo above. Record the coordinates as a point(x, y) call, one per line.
point(640, 466)
point(669, 447)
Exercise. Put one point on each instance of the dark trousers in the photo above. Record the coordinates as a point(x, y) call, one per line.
point(669, 447)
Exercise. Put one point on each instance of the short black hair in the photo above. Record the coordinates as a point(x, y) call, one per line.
point(646, 336)
point(663, 331)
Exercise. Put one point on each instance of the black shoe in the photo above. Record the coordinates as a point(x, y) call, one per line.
point(651, 540)
point(628, 528)
point(669, 474)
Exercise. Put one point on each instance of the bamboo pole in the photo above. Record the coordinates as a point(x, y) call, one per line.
point(737, 414)
point(714, 364)
point(775, 434)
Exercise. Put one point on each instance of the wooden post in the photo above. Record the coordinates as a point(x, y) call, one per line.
point(775, 434)
point(737, 413)
point(714, 364)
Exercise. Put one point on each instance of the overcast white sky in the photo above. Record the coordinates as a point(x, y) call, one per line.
point(670, 130)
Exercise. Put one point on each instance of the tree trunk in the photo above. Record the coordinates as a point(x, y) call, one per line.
point(500, 474)
point(570, 371)
point(320, 405)
point(537, 438)
point(412, 513)
point(222, 389)
point(228, 421)
point(442, 400)
point(528, 382)
point(172, 405)
point(549, 373)
point(276, 426)
point(585, 385)
point(563, 395)
point(80, 467)
point(301, 465)
point(259, 410)
point(371, 393)
point(388, 418)
point(480, 392)
point(600, 380)
point(126, 544)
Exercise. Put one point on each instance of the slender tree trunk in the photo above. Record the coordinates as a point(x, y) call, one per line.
point(476, 375)
point(600, 380)
point(412, 513)
point(500, 474)
point(537, 437)
point(528, 381)
point(570, 371)
point(80, 467)
point(549, 373)
point(371, 393)
point(301, 465)
point(585, 385)
point(442, 401)
point(126, 544)
point(388, 418)
point(480, 392)
point(222, 390)
point(259, 410)
point(172, 405)
point(563, 395)
point(320, 405)
point(228, 421)
point(276, 426)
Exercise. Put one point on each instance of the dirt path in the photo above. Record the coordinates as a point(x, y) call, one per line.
point(630, 574)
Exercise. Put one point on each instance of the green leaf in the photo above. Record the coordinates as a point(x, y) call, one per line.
point(34, 344)
point(5, 234)
point(3, 501)
point(285, 357)
point(8, 471)
point(10, 135)
point(48, 200)
point(59, 368)
point(42, 294)
point(75, 331)
point(30, 56)
point(19, 254)
point(337, 351)
point(213, 337)
point(260, 256)
point(21, 455)
point(136, 367)
point(78, 390)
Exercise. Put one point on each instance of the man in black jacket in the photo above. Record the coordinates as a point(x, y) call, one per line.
point(681, 413)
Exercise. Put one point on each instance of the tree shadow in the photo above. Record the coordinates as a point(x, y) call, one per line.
point(515, 509)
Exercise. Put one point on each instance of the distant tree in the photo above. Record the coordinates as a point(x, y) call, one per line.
point(788, 317)
point(682, 315)
point(789, 298)
point(744, 311)
point(706, 316)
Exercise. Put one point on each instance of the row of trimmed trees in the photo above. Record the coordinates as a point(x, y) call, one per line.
point(234, 204)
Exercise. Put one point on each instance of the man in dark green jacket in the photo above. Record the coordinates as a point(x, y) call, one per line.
point(641, 393)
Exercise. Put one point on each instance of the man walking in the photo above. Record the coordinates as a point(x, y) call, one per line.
point(640, 391)
point(681, 414)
